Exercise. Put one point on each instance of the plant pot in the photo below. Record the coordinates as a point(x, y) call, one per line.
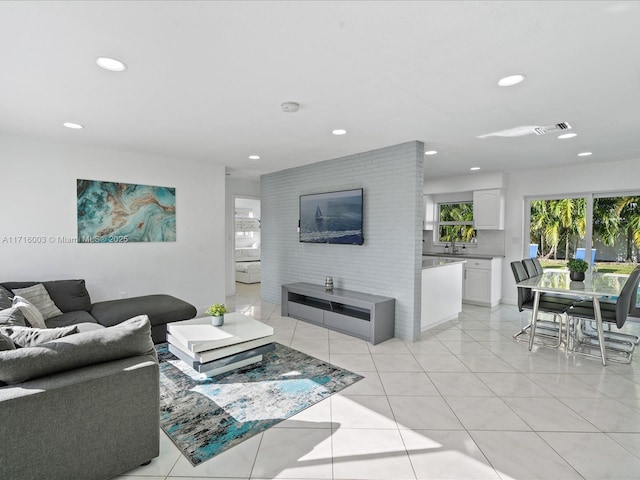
point(217, 321)
point(576, 276)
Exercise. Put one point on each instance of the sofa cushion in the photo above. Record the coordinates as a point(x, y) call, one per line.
point(71, 318)
point(30, 312)
point(6, 343)
point(12, 316)
point(160, 309)
point(30, 337)
point(68, 295)
point(5, 298)
point(39, 297)
point(130, 338)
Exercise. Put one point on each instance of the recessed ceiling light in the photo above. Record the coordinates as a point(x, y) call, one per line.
point(75, 126)
point(339, 131)
point(111, 64)
point(511, 80)
point(585, 154)
point(254, 157)
point(567, 135)
point(430, 152)
point(474, 168)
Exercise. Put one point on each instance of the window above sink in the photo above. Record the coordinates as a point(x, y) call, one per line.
point(455, 223)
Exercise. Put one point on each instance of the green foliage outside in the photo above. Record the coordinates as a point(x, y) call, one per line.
point(457, 212)
point(558, 227)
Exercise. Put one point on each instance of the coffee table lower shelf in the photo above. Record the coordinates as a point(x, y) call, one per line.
point(224, 364)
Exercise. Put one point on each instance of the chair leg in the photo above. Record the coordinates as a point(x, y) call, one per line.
point(578, 342)
point(549, 329)
point(613, 336)
point(534, 318)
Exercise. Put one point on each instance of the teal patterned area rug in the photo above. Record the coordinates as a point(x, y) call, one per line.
point(205, 417)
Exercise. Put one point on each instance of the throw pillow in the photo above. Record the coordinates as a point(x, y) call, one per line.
point(30, 312)
point(127, 339)
point(6, 343)
point(12, 316)
point(30, 337)
point(39, 297)
point(5, 298)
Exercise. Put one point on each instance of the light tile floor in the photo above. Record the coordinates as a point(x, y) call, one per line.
point(465, 402)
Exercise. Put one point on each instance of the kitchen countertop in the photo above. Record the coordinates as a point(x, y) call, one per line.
point(479, 256)
point(439, 261)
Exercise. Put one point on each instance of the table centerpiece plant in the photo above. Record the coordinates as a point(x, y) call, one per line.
point(217, 312)
point(577, 267)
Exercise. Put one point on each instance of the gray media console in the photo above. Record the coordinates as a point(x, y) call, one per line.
point(362, 315)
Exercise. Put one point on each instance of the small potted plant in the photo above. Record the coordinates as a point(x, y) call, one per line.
point(577, 267)
point(217, 312)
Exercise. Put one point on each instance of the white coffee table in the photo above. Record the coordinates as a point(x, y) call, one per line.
point(213, 350)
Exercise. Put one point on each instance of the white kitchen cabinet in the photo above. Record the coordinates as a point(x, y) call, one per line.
point(482, 282)
point(429, 213)
point(488, 209)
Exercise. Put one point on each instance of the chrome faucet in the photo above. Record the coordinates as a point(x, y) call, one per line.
point(454, 249)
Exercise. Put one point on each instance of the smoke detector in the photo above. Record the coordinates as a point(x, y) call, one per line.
point(290, 107)
point(528, 130)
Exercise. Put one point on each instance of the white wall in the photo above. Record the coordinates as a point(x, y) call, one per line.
point(389, 263)
point(39, 199)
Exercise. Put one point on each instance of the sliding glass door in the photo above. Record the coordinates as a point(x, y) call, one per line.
point(603, 229)
point(616, 229)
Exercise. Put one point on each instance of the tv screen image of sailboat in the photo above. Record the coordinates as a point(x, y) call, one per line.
point(334, 217)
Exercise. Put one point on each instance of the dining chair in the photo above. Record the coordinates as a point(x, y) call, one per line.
point(556, 306)
point(616, 315)
point(533, 268)
point(538, 265)
point(530, 267)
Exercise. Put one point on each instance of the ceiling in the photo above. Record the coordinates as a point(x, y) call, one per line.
point(205, 80)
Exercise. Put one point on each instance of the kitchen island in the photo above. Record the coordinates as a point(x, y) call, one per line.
point(441, 290)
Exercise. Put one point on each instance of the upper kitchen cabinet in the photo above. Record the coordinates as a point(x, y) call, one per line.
point(429, 213)
point(488, 209)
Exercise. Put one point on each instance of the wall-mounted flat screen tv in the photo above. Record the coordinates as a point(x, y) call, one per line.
point(332, 217)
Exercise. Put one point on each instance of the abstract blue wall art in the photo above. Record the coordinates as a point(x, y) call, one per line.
point(110, 212)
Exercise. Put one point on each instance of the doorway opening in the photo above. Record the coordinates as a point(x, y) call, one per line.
point(247, 240)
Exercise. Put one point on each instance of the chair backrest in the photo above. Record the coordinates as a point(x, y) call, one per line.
point(530, 267)
point(519, 275)
point(629, 292)
point(538, 265)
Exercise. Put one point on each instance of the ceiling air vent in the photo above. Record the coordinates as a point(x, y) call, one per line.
point(528, 130)
point(552, 128)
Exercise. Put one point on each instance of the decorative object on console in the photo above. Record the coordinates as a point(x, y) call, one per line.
point(205, 417)
point(217, 312)
point(111, 212)
point(577, 267)
point(328, 284)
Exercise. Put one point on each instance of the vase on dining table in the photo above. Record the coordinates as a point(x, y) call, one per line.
point(577, 276)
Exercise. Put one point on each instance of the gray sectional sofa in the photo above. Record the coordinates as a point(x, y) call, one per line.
point(84, 406)
point(79, 381)
point(73, 300)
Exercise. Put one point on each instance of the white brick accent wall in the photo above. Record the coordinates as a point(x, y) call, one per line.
point(389, 263)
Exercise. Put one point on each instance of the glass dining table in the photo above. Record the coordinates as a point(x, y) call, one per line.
point(594, 287)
